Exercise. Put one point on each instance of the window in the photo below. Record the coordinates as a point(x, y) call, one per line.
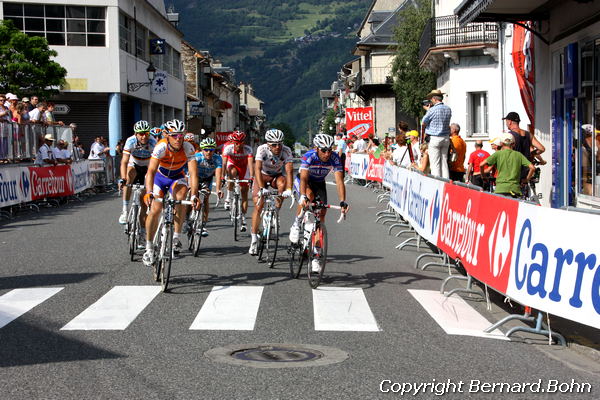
point(176, 64)
point(478, 114)
point(60, 25)
point(141, 42)
point(125, 33)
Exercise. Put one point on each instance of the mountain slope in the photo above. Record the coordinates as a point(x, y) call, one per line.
point(287, 49)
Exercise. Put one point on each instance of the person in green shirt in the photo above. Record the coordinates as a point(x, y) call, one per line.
point(508, 162)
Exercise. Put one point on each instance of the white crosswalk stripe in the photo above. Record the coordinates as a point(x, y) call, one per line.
point(229, 308)
point(342, 309)
point(115, 310)
point(18, 301)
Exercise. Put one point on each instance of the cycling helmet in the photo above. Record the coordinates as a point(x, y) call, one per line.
point(189, 137)
point(208, 143)
point(156, 132)
point(323, 140)
point(237, 136)
point(141, 126)
point(274, 136)
point(174, 126)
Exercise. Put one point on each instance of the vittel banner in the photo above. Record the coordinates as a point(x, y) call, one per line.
point(556, 263)
point(15, 186)
point(478, 229)
point(221, 138)
point(51, 181)
point(360, 121)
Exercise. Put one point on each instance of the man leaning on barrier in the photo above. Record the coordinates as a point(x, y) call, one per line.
point(509, 163)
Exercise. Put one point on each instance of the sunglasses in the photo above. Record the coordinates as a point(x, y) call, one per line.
point(176, 135)
point(208, 149)
point(326, 149)
point(142, 133)
point(275, 144)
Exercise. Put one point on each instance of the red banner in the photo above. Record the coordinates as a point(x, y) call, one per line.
point(51, 181)
point(221, 138)
point(375, 168)
point(524, 62)
point(360, 121)
point(479, 229)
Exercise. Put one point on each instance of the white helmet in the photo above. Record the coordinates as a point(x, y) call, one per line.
point(323, 140)
point(274, 136)
point(141, 126)
point(175, 126)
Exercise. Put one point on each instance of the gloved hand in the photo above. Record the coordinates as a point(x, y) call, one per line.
point(287, 193)
point(148, 197)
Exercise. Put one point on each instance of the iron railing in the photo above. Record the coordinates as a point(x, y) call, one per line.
point(376, 76)
point(445, 32)
point(20, 142)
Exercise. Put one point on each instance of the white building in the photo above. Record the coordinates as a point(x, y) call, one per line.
point(105, 46)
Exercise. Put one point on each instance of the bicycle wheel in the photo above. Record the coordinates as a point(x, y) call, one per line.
point(158, 253)
point(297, 259)
point(319, 237)
point(235, 211)
point(132, 230)
point(198, 234)
point(165, 270)
point(261, 245)
point(272, 240)
point(191, 230)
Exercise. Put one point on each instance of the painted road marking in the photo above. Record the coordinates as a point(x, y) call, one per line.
point(454, 315)
point(18, 301)
point(232, 308)
point(342, 309)
point(115, 310)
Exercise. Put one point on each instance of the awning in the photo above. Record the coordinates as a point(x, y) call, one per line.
point(502, 10)
point(223, 105)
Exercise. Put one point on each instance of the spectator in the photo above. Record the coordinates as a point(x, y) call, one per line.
point(19, 113)
point(473, 171)
point(341, 147)
point(33, 103)
point(400, 156)
point(524, 140)
point(25, 100)
point(359, 146)
point(45, 154)
point(436, 124)
point(49, 115)
point(37, 115)
point(509, 163)
point(119, 147)
point(458, 148)
point(412, 139)
point(423, 164)
point(98, 150)
point(5, 114)
point(13, 100)
point(61, 153)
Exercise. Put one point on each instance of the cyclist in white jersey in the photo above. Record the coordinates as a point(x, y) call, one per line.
point(270, 161)
point(134, 165)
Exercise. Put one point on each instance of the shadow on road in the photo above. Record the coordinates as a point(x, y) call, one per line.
point(36, 280)
point(204, 283)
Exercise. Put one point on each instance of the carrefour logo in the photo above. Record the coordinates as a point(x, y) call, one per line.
point(499, 244)
point(24, 184)
point(434, 212)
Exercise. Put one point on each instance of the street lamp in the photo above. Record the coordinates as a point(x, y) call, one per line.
point(134, 86)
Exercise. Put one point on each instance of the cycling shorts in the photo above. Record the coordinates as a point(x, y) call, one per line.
point(319, 189)
point(162, 184)
point(205, 183)
point(243, 172)
point(140, 174)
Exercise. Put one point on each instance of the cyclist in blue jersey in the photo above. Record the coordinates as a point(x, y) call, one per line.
point(209, 165)
point(310, 182)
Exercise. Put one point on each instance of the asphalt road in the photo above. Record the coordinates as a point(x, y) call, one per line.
point(82, 249)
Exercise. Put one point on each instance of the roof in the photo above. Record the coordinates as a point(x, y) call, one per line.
point(383, 33)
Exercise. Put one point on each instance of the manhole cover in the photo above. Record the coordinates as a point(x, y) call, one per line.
point(277, 355)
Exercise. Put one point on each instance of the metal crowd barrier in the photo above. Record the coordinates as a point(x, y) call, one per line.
point(20, 142)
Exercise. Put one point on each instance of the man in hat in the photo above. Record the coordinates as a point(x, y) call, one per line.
point(45, 154)
point(509, 163)
point(436, 124)
point(524, 141)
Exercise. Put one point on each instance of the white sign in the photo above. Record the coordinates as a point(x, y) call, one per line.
point(61, 109)
point(159, 84)
point(196, 108)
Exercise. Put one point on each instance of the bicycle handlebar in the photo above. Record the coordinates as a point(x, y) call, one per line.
point(321, 205)
point(276, 194)
point(239, 180)
point(184, 202)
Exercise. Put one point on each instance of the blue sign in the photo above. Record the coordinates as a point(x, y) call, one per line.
point(571, 73)
point(157, 46)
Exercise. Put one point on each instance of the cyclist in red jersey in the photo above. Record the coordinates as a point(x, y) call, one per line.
point(239, 164)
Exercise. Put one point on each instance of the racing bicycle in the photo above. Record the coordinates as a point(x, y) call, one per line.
point(312, 244)
point(197, 223)
point(235, 212)
point(132, 227)
point(268, 235)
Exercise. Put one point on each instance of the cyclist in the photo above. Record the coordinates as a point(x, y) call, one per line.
point(134, 164)
point(310, 182)
point(270, 158)
point(156, 133)
point(191, 138)
point(209, 165)
point(239, 164)
point(166, 173)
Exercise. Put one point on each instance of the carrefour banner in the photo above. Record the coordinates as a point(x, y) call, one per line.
point(418, 199)
point(15, 186)
point(81, 176)
point(375, 168)
point(359, 163)
point(556, 263)
point(54, 181)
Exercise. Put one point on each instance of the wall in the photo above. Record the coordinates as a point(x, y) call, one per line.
point(385, 115)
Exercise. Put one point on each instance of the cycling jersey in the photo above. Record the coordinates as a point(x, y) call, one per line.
point(317, 169)
point(172, 163)
point(139, 153)
point(240, 159)
point(206, 167)
point(273, 164)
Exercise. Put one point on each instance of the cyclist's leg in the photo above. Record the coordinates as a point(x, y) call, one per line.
point(129, 178)
point(257, 209)
point(141, 179)
point(320, 190)
point(278, 183)
point(179, 190)
point(205, 184)
point(160, 186)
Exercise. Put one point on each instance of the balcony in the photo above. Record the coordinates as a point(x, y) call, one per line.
point(443, 38)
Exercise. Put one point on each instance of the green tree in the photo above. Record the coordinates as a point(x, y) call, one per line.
point(288, 134)
point(329, 122)
point(411, 82)
point(25, 64)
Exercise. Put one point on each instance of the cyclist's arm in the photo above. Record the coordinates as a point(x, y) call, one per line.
point(251, 166)
point(193, 171)
point(303, 181)
point(289, 175)
point(219, 178)
point(124, 162)
point(152, 168)
point(257, 168)
point(341, 187)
